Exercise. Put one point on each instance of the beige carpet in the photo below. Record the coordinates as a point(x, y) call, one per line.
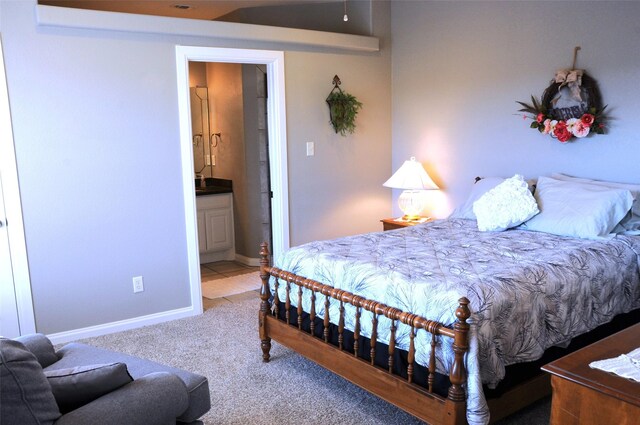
point(219, 288)
point(223, 345)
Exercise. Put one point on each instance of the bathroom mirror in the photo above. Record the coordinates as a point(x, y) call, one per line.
point(200, 131)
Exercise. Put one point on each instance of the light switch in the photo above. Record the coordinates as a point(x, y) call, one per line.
point(310, 149)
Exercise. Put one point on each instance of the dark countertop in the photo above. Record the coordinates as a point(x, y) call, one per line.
point(214, 186)
point(212, 190)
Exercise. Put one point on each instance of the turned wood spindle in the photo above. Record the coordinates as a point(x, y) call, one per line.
point(392, 344)
point(265, 340)
point(412, 354)
point(356, 333)
point(276, 300)
point(300, 307)
point(326, 319)
point(374, 338)
point(312, 313)
point(432, 363)
point(341, 326)
point(287, 303)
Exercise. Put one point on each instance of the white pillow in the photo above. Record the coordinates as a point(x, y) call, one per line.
point(507, 205)
point(584, 210)
point(630, 223)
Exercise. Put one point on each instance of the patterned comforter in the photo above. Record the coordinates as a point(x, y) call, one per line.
point(528, 290)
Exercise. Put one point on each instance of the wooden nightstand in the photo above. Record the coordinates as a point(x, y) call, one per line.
point(396, 223)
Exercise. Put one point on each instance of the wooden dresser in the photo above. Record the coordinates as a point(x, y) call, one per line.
point(582, 395)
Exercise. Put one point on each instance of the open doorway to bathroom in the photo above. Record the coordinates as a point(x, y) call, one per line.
point(231, 165)
point(231, 146)
point(251, 81)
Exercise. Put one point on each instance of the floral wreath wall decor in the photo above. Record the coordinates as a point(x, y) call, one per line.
point(570, 107)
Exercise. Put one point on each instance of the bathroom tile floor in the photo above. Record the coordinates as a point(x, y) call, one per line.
point(222, 269)
point(219, 270)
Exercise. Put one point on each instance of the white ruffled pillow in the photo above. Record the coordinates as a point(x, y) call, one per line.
point(507, 205)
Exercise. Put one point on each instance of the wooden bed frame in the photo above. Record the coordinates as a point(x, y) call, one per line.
point(421, 402)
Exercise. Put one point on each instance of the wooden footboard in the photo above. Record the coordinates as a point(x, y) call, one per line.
point(419, 401)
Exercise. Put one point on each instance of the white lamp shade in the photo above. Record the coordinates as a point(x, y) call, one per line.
point(411, 176)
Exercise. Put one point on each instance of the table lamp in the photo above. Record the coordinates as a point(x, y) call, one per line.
point(413, 178)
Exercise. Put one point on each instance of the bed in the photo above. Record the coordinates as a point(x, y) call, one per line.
point(409, 307)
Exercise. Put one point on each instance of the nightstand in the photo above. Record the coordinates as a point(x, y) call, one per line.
point(582, 395)
point(397, 223)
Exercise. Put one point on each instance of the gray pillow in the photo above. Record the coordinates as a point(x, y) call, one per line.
point(41, 347)
point(25, 394)
point(481, 187)
point(77, 386)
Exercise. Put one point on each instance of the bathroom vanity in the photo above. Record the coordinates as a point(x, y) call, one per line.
point(215, 225)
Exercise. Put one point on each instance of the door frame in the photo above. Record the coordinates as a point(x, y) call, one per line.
point(277, 134)
point(13, 209)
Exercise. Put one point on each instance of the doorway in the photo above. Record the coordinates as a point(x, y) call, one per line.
point(230, 152)
point(16, 307)
point(273, 61)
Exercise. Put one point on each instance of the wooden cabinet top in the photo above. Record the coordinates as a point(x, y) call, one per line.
point(575, 366)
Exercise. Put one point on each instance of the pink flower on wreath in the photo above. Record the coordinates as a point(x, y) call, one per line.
point(540, 117)
point(561, 131)
point(580, 129)
point(571, 122)
point(587, 119)
point(548, 126)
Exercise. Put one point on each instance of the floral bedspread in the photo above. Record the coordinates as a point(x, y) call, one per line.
point(528, 290)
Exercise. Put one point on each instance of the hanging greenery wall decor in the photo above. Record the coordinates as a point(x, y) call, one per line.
point(343, 109)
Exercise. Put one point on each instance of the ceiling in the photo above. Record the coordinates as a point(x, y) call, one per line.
point(193, 9)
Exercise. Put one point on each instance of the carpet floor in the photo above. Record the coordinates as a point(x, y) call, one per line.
point(223, 345)
point(218, 288)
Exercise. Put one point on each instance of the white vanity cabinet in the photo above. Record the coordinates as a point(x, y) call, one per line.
point(215, 227)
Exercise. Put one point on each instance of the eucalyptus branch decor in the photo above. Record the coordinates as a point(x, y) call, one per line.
point(343, 109)
point(570, 107)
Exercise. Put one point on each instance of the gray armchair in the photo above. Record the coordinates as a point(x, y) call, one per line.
point(80, 384)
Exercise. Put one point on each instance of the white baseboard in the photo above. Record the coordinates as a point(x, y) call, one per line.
point(122, 325)
point(253, 262)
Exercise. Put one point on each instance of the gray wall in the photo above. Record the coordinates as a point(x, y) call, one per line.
point(95, 116)
point(459, 68)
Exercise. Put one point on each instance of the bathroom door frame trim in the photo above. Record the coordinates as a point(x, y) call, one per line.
point(13, 209)
point(277, 134)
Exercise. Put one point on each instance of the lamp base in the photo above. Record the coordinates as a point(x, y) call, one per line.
point(411, 203)
point(414, 218)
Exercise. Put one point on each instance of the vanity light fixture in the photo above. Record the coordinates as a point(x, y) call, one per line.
point(413, 178)
point(346, 18)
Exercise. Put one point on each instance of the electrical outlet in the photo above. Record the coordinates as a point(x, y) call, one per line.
point(138, 284)
point(208, 160)
point(310, 149)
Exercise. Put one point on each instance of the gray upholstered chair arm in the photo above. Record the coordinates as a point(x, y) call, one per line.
point(41, 347)
point(156, 398)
